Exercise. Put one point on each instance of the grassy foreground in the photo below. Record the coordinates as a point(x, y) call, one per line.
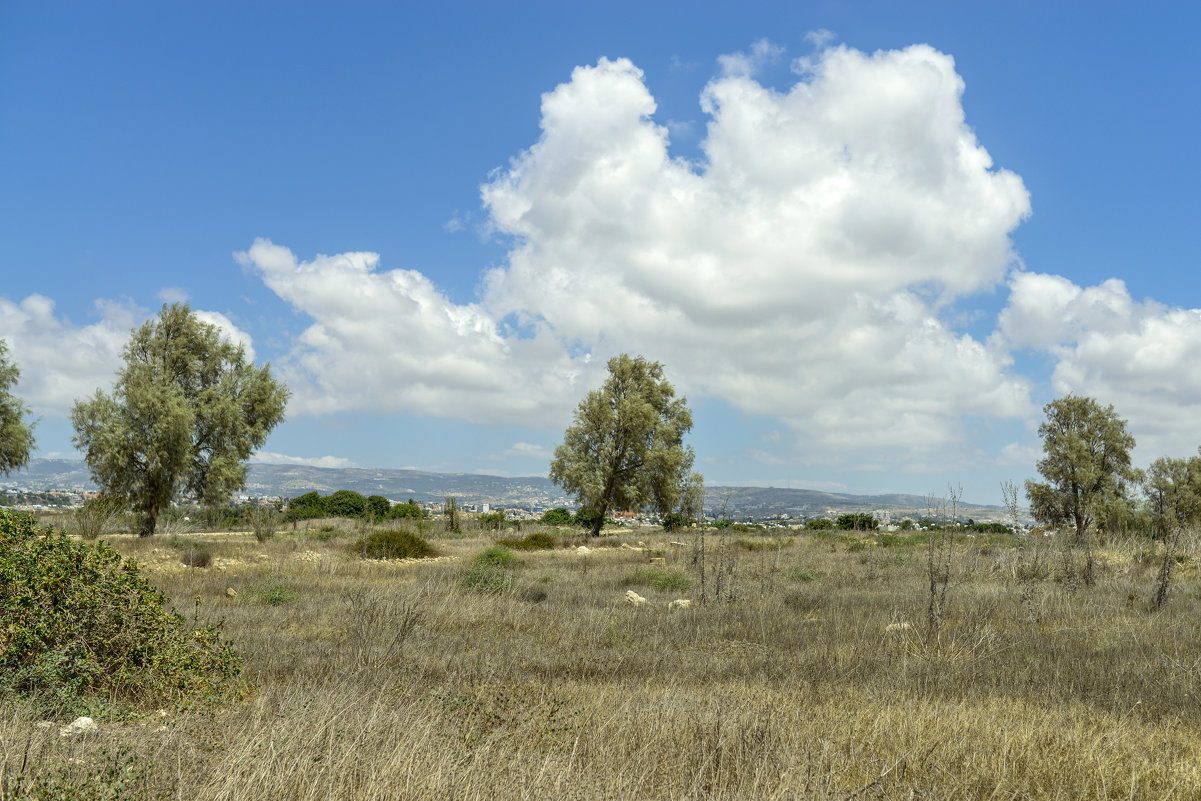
point(537, 679)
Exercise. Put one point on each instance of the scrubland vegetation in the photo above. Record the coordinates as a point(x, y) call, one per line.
point(815, 667)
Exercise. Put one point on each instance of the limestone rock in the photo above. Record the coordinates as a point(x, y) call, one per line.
point(680, 603)
point(634, 599)
point(77, 726)
point(231, 592)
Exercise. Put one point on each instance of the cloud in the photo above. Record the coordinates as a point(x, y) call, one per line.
point(385, 341)
point(173, 294)
point(1139, 356)
point(800, 270)
point(62, 362)
point(745, 65)
point(529, 450)
point(267, 457)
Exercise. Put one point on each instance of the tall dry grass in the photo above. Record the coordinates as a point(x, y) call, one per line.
point(381, 680)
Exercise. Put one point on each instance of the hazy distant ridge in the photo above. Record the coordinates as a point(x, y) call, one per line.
point(523, 491)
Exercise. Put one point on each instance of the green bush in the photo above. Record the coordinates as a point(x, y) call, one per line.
point(378, 506)
point(557, 517)
point(658, 578)
point(276, 593)
point(485, 577)
point(393, 544)
point(819, 524)
point(306, 507)
point(345, 503)
point(492, 521)
point(497, 555)
point(81, 630)
point(408, 510)
point(538, 541)
point(803, 575)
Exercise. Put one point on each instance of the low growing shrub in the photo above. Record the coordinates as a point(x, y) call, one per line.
point(538, 541)
point(396, 543)
point(196, 557)
point(81, 630)
point(497, 555)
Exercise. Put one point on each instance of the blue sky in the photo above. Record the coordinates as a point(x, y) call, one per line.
point(868, 240)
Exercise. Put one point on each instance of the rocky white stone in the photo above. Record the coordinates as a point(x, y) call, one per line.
point(77, 726)
point(634, 598)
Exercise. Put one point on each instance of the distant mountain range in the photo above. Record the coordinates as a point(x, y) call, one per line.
point(499, 491)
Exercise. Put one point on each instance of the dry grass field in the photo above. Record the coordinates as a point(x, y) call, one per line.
point(445, 678)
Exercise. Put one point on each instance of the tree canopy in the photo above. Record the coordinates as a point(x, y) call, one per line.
point(624, 449)
point(1086, 464)
point(185, 414)
point(16, 433)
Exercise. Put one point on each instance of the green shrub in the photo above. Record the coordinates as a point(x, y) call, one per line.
point(497, 556)
point(378, 506)
point(538, 541)
point(658, 578)
point(803, 575)
point(345, 503)
point(557, 517)
point(492, 521)
point(306, 507)
point(81, 630)
point(276, 593)
point(485, 577)
point(393, 544)
point(857, 545)
point(408, 510)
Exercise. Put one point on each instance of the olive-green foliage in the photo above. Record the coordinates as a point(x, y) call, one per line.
point(538, 541)
point(82, 630)
point(558, 516)
point(625, 448)
point(409, 510)
point(1086, 464)
point(276, 592)
point(185, 414)
point(454, 522)
point(490, 571)
point(306, 507)
point(658, 578)
point(857, 521)
point(16, 433)
point(497, 555)
point(492, 521)
point(803, 576)
point(378, 506)
point(393, 544)
point(345, 503)
point(819, 524)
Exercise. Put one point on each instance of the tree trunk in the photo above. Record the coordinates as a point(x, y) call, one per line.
point(147, 522)
point(599, 522)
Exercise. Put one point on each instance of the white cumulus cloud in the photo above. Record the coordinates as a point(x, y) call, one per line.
point(1140, 356)
point(800, 269)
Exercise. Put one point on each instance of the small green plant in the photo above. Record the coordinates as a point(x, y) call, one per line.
point(497, 556)
point(487, 578)
point(396, 543)
point(264, 521)
point(81, 630)
point(658, 578)
point(276, 593)
point(454, 523)
point(804, 576)
point(857, 545)
point(538, 541)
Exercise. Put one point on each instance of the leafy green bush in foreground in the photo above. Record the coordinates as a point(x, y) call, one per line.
point(81, 630)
